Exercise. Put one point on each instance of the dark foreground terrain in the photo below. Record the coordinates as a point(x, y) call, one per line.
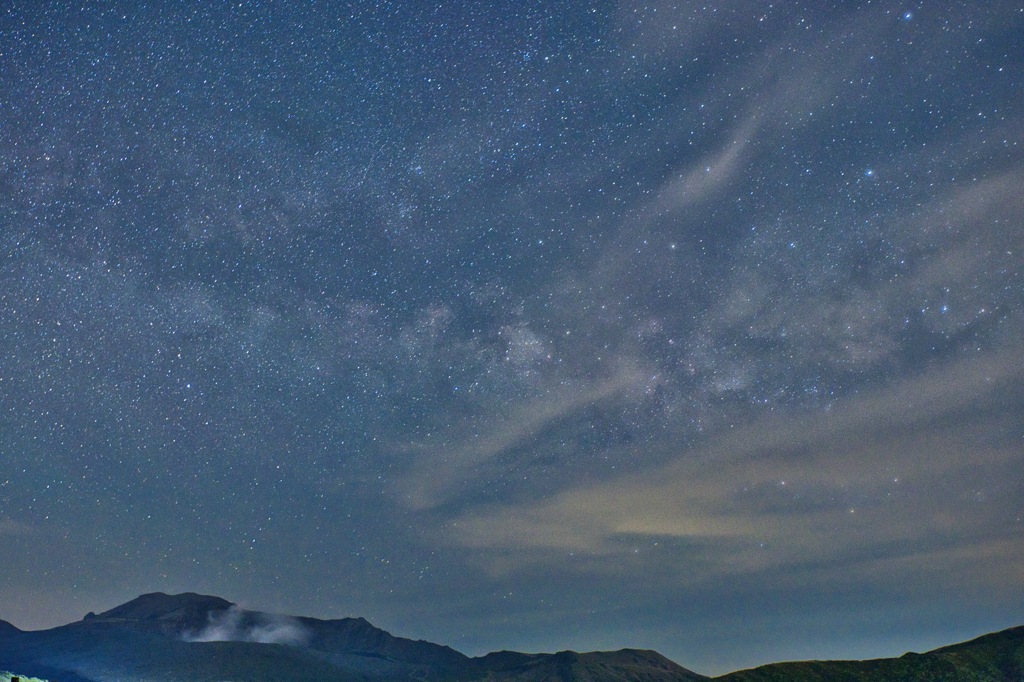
point(207, 639)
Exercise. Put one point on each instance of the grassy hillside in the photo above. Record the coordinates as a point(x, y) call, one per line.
point(998, 657)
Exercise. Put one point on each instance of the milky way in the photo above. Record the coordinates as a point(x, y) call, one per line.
point(531, 325)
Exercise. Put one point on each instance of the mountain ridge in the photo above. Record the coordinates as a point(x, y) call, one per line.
point(203, 638)
point(160, 605)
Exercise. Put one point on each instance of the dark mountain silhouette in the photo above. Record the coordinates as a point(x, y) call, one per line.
point(567, 666)
point(171, 614)
point(168, 607)
point(200, 638)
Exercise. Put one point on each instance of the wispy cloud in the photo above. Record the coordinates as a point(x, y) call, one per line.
point(444, 466)
point(895, 474)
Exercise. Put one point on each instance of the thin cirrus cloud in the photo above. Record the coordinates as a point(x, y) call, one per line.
point(893, 478)
point(857, 327)
point(461, 455)
point(794, 491)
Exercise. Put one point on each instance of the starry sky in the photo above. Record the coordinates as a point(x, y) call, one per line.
point(519, 324)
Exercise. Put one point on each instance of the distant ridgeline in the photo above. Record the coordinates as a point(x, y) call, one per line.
point(200, 638)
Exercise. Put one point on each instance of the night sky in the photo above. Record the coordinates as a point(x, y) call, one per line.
point(519, 324)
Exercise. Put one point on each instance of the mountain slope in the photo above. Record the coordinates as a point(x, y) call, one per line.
point(201, 638)
point(182, 608)
point(625, 665)
point(998, 657)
